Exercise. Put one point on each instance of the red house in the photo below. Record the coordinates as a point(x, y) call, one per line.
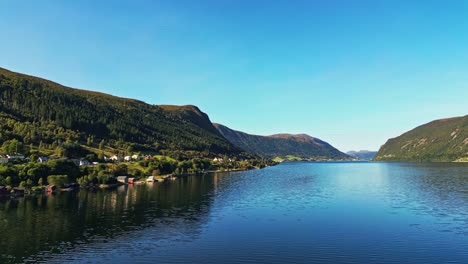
point(132, 180)
point(51, 188)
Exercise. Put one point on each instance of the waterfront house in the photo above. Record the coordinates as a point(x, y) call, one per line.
point(132, 180)
point(84, 162)
point(150, 179)
point(15, 157)
point(42, 159)
point(18, 191)
point(115, 158)
point(51, 188)
point(122, 179)
point(127, 158)
point(4, 191)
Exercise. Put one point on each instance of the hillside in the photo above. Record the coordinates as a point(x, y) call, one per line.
point(439, 140)
point(362, 154)
point(42, 114)
point(282, 145)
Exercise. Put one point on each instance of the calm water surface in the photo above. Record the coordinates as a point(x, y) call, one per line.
point(291, 213)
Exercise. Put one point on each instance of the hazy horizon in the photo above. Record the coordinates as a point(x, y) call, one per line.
point(352, 74)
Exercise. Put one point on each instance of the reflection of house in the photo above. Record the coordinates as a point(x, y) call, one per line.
point(42, 159)
point(122, 179)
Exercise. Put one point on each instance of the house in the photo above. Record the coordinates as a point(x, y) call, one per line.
point(18, 191)
point(106, 158)
point(51, 188)
point(128, 158)
point(132, 180)
point(150, 179)
point(4, 191)
point(122, 179)
point(42, 159)
point(218, 160)
point(84, 162)
point(95, 163)
point(148, 157)
point(136, 157)
point(15, 156)
point(115, 158)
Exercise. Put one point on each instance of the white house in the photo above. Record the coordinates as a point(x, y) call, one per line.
point(217, 159)
point(127, 158)
point(84, 162)
point(42, 159)
point(115, 158)
point(15, 156)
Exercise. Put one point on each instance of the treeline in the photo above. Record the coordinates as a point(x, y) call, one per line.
point(39, 174)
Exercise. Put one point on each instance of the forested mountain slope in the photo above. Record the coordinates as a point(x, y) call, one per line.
point(439, 140)
point(37, 112)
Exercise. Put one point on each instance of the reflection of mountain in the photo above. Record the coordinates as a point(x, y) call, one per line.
point(59, 223)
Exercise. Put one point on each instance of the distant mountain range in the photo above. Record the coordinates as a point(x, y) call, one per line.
point(439, 140)
point(299, 146)
point(362, 154)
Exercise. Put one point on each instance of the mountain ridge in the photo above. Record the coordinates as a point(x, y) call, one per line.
point(78, 114)
point(438, 140)
point(301, 146)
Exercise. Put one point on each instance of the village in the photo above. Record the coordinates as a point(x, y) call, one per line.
point(63, 174)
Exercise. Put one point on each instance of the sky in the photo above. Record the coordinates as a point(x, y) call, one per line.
point(352, 73)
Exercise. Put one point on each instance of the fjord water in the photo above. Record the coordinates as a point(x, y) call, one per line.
point(290, 213)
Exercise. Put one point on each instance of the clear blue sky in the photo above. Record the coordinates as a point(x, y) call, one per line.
point(353, 73)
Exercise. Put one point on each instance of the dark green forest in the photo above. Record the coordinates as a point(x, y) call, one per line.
point(440, 141)
point(41, 114)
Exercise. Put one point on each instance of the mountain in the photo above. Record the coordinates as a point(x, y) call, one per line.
point(39, 113)
point(282, 145)
point(362, 154)
point(439, 140)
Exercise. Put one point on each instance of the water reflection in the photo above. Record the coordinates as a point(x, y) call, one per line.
point(57, 223)
point(291, 213)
